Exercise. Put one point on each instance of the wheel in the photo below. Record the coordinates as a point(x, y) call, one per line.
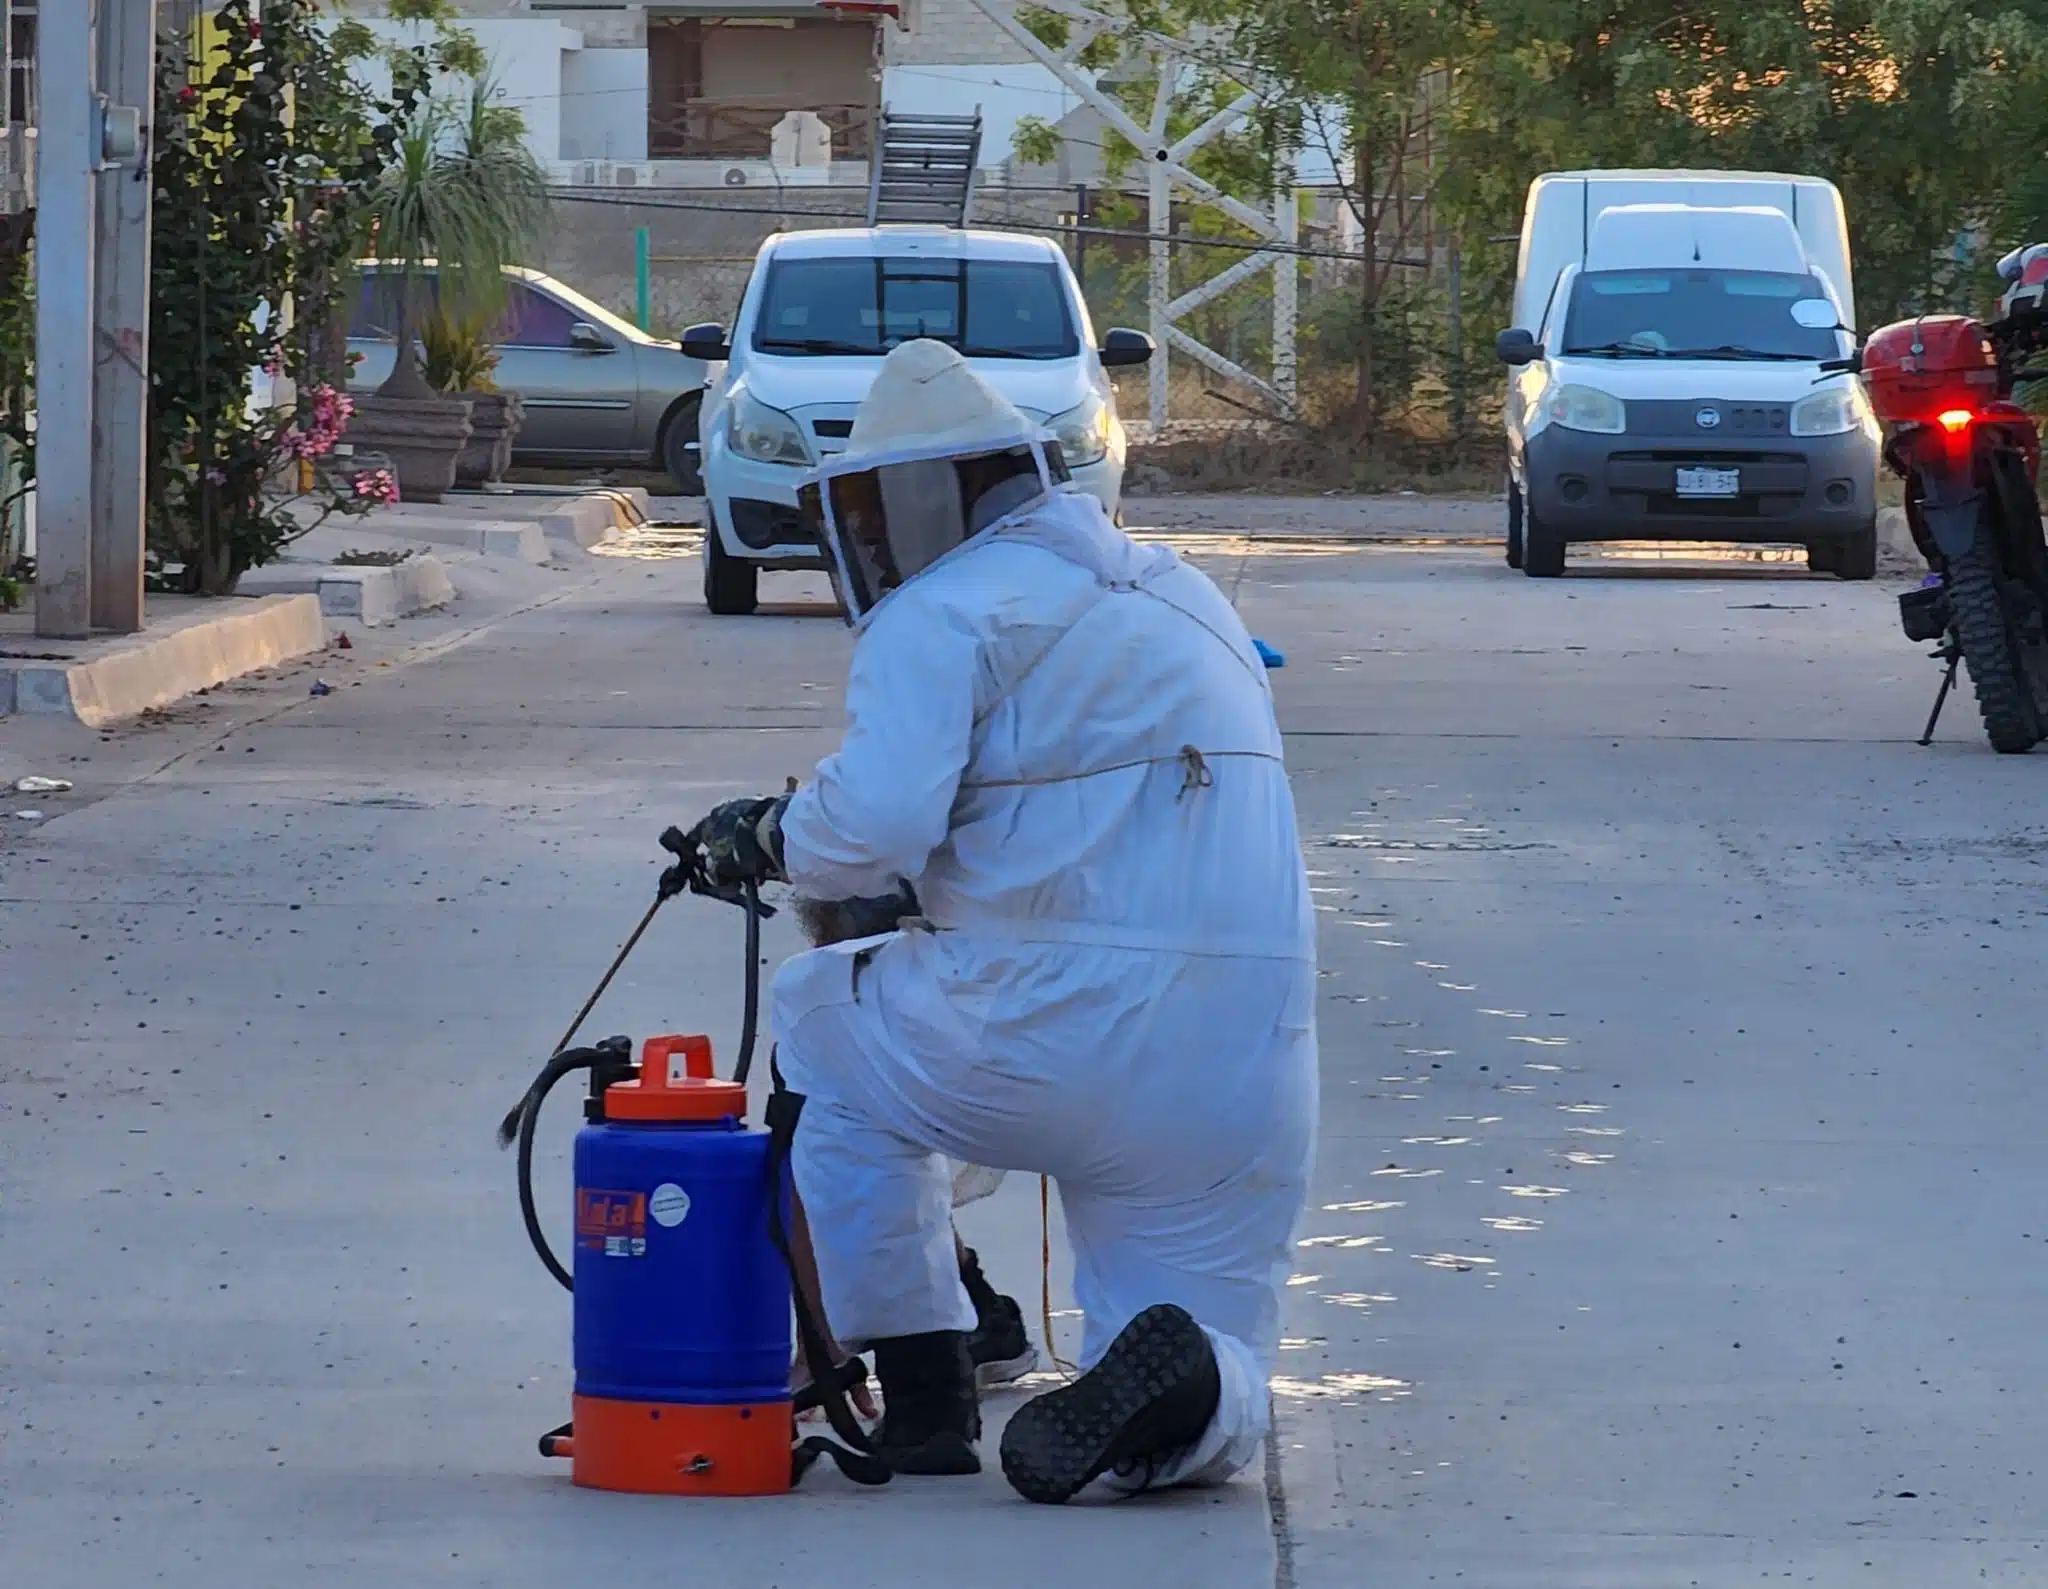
point(1855, 556)
point(1823, 557)
point(1991, 652)
point(679, 454)
point(1542, 547)
point(1514, 524)
point(731, 584)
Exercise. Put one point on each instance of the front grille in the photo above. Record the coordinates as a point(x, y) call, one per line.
point(1666, 416)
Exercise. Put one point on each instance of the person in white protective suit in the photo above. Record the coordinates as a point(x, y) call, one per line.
point(1066, 742)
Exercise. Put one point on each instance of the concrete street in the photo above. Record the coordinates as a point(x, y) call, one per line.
point(1681, 1216)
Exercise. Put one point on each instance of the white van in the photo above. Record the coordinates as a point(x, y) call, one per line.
point(822, 309)
point(1668, 359)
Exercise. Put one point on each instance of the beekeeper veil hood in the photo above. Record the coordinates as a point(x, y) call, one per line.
point(936, 455)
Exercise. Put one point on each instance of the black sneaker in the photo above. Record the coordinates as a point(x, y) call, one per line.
point(1001, 1350)
point(930, 1416)
point(1149, 1399)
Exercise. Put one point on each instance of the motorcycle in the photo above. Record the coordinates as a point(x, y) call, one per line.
point(1969, 457)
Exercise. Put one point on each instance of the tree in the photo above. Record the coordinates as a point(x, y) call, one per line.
point(1364, 84)
point(1928, 114)
point(462, 191)
point(259, 166)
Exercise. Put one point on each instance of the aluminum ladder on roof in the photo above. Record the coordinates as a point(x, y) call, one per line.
point(923, 170)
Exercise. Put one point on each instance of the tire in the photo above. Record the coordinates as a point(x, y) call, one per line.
point(1855, 556)
point(1542, 547)
point(1823, 557)
point(731, 584)
point(1998, 674)
point(1514, 524)
point(679, 455)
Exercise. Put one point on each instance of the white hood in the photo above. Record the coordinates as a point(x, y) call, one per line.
point(1041, 387)
point(1736, 380)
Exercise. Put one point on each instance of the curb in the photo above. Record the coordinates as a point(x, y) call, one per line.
point(594, 518)
point(491, 538)
point(374, 596)
point(149, 671)
point(370, 593)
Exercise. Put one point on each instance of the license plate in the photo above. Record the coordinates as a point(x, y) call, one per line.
point(1709, 482)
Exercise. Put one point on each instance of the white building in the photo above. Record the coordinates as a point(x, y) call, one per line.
point(629, 93)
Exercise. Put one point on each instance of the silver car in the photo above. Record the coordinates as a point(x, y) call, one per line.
point(597, 389)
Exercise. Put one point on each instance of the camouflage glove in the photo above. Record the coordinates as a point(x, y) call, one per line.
point(742, 841)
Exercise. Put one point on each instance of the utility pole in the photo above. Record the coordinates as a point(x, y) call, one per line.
point(67, 155)
point(127, 75)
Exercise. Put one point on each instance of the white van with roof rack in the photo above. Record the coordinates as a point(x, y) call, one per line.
point(820, 312)
point(1677, 369)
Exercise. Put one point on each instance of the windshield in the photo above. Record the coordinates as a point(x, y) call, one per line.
point(996, 309)
point(1694, 313)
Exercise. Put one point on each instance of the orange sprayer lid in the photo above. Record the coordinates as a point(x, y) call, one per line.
point(675, 1083)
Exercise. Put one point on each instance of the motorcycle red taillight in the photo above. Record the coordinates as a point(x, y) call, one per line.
point(1956, 420)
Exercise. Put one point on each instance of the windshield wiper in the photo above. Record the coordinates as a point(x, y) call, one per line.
point(814, 345)
point(1728, 350)
point(1636, 348)
point(970, 350)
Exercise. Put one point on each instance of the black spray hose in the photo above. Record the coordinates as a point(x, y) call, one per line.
point(526, 1116)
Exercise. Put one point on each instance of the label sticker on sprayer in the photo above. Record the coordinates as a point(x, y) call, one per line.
point(670, 1205)
point(613, 1223)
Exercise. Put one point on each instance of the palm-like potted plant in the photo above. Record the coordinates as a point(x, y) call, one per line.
point(462, 361)
point(460, 201)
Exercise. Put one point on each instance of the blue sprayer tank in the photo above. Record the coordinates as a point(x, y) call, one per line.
point(682, 1302)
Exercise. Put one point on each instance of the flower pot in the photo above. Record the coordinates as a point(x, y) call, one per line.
point(494, 420)
point(422, 438)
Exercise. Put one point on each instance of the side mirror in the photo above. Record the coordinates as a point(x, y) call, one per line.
point(707, 342)
point(586, 338)
point(1517, 346)
point(1122, 348)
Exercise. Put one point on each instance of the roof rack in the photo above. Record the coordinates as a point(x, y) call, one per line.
point(924, 170)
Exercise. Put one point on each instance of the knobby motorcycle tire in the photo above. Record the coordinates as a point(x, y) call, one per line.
point(1998, 674)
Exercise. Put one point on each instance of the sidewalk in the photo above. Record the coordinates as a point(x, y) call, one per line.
point(366, 572)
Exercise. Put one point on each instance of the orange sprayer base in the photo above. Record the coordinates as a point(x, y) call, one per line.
point(668, 1448)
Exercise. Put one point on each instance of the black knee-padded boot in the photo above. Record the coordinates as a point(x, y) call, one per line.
point(931, 1417)
point(1149, 1399)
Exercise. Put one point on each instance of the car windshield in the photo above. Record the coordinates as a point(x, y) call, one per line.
point(997, 309)
point(1694, 313)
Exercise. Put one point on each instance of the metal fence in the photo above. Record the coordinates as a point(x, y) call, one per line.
point(678, 257)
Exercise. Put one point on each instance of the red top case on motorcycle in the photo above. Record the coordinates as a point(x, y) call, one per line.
point(1916, 370)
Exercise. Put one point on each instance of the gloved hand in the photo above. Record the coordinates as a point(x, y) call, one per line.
point(742, 841)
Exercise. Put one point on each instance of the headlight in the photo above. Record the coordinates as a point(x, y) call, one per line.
point(764, 434)
point(1828, 413)
point(1082, 432)
point(1585, 408)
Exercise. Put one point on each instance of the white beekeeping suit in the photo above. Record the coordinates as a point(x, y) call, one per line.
point(1066, 743)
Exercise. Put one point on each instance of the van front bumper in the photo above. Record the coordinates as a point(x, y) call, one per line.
point(1588, 487)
